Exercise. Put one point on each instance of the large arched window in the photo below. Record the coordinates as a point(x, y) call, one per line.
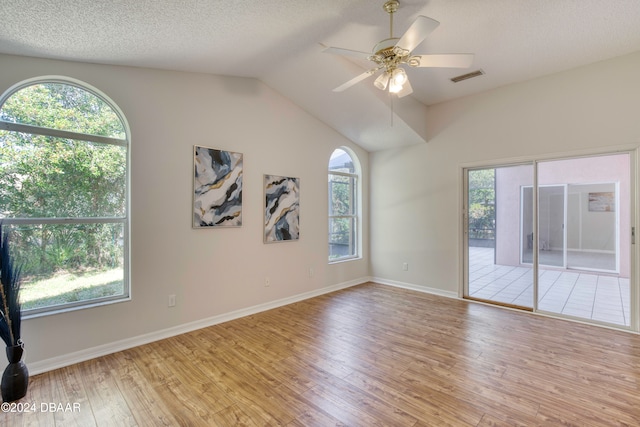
point(64, 191)
point(343, 206)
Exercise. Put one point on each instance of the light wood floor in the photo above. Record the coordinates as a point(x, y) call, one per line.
point(365, 356)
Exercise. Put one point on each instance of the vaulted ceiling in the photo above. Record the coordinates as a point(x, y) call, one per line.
point(280, 43)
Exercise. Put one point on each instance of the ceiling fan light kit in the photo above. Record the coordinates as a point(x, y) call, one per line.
point(382, 81)
point(397, 80)
point(391, 54)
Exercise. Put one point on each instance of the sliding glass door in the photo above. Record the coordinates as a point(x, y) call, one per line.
point(494, 240)
point(552, 236)
point(551, 225)
point(593, 280)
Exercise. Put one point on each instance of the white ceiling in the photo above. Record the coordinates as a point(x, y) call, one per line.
point(279, 42)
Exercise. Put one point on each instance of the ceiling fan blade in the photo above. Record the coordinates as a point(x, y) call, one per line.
point(406, 90)
point(346, 52)
point(355, 80)
point(417, 32)
point(453, 60)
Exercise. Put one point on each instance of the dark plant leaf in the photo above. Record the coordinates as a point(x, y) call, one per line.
point(10, 310)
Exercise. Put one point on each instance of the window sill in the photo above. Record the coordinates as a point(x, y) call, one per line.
point(67, 308)
point(345, 259)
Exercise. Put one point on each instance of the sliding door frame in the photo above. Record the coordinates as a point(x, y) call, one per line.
point(634, 264)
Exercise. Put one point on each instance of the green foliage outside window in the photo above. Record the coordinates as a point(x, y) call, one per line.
point(342, 206)
point(63, 107)
point(482, 208)
point(53, 177)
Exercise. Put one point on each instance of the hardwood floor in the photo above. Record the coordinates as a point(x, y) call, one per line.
point(370, 355)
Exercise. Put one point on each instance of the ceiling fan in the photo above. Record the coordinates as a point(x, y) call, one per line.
point(390, 55)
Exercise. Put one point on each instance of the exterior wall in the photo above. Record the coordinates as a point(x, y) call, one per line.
point(509, 181)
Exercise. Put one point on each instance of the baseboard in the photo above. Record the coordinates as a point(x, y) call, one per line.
point(593, 251)
point(414, 287)
point(105, 349)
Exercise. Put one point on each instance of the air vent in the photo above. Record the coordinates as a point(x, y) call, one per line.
point(467, 76)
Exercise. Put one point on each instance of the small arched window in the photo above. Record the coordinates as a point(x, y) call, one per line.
point(64, 149)
point(343, 206)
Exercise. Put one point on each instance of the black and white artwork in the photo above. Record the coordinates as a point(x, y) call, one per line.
point(282, 208)
point(217, 184)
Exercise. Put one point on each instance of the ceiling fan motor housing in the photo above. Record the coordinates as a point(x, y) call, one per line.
point(388, 55)
point(391, 6)
point(384, 49)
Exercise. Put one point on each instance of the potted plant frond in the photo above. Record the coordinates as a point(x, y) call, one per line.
point(16, 376)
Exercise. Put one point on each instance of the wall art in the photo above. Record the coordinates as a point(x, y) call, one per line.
point(281, 209)
point(217, 188)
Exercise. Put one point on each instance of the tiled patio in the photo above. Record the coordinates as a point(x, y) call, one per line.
point(603, 298)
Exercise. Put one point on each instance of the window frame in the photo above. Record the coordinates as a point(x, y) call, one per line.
point(83, 137)
point(354, 201)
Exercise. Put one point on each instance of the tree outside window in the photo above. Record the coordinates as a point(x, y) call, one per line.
point(343, 219)
point(482, 207)
point(63, 194)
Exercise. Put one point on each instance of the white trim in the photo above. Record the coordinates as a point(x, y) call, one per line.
point(64, 134)
point(415, 287)
point(113, 347)
point(561, 155)
point(592, 251)
point(78, 220)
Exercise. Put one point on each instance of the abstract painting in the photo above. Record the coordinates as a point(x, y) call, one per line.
point(217, 188)
point(282, 208)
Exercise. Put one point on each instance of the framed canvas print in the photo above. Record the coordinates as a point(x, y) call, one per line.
point(281, 209)
point(217, 188)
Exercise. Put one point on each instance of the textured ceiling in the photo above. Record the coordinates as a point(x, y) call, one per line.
point(279, 41)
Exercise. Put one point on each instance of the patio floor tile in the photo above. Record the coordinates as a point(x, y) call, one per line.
point(604, 298)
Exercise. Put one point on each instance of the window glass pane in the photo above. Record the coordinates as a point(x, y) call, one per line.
point(76, 261)
point(47, 177)
point(341, 237)
point(62, 107)
point(341, 195)
point(342, 206)
point(68, 263)
point(341, 161)
point(499, 224)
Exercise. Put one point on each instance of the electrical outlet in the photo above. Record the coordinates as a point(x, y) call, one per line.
point(267, 282)
point(405, 266)
point(172, 300)
point(311, 272)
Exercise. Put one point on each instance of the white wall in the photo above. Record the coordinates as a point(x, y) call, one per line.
point(168, 113)
point(416, 191)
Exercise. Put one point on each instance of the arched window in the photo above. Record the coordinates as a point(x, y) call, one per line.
point(343, 206)
point(64, 192)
